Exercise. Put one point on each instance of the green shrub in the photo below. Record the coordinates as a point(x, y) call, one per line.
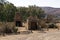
point(15, 29)
point(52, 26)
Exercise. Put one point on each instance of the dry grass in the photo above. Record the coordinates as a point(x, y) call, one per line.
point(52, 34)
point(36, 35)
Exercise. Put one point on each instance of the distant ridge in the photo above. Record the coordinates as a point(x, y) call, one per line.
point(51, 10)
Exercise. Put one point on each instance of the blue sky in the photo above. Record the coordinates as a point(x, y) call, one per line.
point(43, 3)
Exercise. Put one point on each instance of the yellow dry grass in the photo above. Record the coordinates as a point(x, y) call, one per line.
point(52, 34)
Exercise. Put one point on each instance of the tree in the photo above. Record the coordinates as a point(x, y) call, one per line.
point(31, 10)
point(23, 12)
point(2, 1)
point(7, 11)
point(35, 11)
point(1, 9)
point(10, 10)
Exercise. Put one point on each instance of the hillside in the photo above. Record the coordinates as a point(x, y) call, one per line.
point(51, 10)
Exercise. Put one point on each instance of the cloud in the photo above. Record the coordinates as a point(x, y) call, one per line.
point(52, 3)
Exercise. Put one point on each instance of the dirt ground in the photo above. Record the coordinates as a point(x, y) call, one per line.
point(52, 34)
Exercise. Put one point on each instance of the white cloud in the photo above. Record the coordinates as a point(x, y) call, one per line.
point(52, 3)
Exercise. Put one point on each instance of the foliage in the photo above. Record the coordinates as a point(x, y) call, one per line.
point(30, 11)
point(7, 11)
point(8, 30)
point(23, 12)
point(2, 1)
point(52, 25)
point(10, 10)
point(15, 29)
point(35, 10)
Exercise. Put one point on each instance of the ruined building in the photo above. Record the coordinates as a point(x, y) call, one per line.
point(18, 19)
point(32, 23)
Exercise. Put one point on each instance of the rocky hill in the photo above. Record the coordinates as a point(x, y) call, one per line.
point(51, 10)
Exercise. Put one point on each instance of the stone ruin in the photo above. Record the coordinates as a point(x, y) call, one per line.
point(18, 19)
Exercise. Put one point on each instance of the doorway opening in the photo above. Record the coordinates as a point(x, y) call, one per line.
point(19, 23)
point(33, 26)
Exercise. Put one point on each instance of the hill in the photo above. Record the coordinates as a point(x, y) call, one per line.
point(51, 10)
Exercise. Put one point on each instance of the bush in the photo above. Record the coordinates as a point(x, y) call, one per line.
point(15, 29)
point(52, 26)
point(8, 30)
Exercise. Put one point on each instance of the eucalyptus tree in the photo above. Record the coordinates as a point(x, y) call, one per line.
point(1, 9)
point(23, 12)
point(31, 10)
point(35, 11)
point(10, 10)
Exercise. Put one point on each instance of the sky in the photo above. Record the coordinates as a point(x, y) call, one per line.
point(40, 3)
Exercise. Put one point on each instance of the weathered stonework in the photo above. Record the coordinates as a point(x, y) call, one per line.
point(18, 19)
